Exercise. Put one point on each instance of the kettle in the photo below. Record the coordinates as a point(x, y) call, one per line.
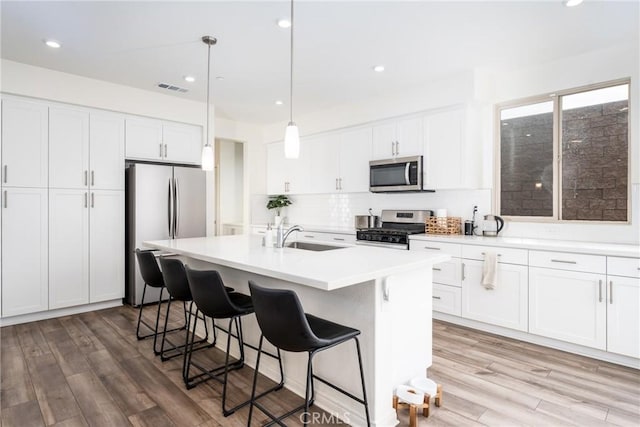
point(492, 225)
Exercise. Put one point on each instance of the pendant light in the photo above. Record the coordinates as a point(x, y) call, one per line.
point(291, 135)
point(207, 150)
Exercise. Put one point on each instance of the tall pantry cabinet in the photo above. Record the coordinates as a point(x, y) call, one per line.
point(79, 210)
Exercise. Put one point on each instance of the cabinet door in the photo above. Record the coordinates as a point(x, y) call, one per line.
point(384, 141)
point(106, 245)
point(506, 305)
point(68, 248)
point(568, 306)
point(354, 152)
point(143, 139)
point(446, 299)
point(444, 141)
point(68, 148)
point(24, 251)
point(25, 142)
point(182, 143)
point(409, 137)
point(323, 169)
point(276, 174)
point(106, 151)
point(623, 316)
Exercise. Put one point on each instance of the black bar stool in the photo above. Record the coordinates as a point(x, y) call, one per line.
point(176, 283)
point(285, 325)
point(152, 277)
point(211, 298)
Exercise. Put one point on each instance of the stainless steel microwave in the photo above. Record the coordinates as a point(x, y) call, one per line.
point(394, 175)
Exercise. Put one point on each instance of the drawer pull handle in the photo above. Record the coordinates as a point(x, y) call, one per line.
point(482, 253)
point(338, 239)
point(434, 297)
point(610, 291)
point(562, 261)
point(463, 277)
point(309, 237)
point(600, 290)
point(432, 248)
point(437, 269)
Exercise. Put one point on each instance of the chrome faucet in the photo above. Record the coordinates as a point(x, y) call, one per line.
point(281, 235)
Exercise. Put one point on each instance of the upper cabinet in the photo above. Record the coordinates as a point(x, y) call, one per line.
point(106, 151)
point(25, 157)
point(397, 138)
point(68, 148)
point(155, 140)
point(323, 170)
point(287, 175)
point(452, 159)
point(354, 152)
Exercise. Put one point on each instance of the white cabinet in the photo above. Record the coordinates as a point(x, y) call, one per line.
point(68, 148)
point(182, 143)
point(568, 305)
point(443, 164)
point(155, 140)
point(25, 157)
point(623, 306)
point(354, 152)
point(397, 138)
point(324, 171)
point(144, 139)
point(446, 299)
point(506, 305)
point(106, 151)
point(287, 175)
point(319, 236)
point(106, 245)
point(68, 247)
point(24, 251)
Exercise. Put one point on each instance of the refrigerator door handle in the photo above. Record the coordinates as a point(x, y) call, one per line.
point(176, 208)
point(170, 210)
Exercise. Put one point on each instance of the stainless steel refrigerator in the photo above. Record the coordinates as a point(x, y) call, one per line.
point(162, 202)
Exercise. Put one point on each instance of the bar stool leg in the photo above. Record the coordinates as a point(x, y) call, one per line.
point(164, 330)
point(255, 381)
point(364, 388)
point(144, 291)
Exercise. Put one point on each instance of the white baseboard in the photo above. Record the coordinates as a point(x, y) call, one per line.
point(50, 314)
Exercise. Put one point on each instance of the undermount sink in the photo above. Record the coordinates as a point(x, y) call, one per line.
point(312, 246)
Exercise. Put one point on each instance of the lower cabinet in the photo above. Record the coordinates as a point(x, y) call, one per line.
point(86, 241)
point(569, 306)
point(506, 305)
point(24, 251)
point(623, 315)
point(446, 299)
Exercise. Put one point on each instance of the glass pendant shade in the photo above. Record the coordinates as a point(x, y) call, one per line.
point(207, 158)
point(291, 141)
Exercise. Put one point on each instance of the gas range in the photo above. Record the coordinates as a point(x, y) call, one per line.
point(396, 228)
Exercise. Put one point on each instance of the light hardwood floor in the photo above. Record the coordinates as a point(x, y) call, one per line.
point(89, 369)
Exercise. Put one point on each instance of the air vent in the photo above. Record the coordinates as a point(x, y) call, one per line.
point(172, 87)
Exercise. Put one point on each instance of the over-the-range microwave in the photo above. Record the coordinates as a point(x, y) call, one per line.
point(396, 175)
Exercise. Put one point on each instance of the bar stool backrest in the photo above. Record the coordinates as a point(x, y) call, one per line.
point(175, 278)
point(282, 319)
point(149, 269)
point(209, 294)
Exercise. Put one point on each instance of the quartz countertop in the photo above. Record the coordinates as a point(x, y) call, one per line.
point(327, 270)
point(317, 228)
point(596, 248)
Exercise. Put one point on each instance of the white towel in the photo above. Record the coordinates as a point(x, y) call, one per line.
point(490, 270)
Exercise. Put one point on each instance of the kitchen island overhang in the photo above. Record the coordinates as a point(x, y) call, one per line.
point(384, 293)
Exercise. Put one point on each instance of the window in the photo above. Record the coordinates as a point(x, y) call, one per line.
point(566, 157)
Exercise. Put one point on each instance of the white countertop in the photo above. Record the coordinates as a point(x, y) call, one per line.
point(327, 270)
point(317, 228)
point(596, 248)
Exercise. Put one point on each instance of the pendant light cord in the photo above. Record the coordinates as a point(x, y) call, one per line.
point(208, 80)
point(291, 71)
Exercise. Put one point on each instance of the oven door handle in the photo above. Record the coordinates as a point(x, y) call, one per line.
point(406, 173)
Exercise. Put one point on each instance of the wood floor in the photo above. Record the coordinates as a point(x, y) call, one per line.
point(89, 369)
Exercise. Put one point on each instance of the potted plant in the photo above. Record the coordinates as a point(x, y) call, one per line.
point(278, 202)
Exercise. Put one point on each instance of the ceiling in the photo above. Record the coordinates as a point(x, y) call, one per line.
point(337, 43)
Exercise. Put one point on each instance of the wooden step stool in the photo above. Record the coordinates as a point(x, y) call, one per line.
point(413, 408)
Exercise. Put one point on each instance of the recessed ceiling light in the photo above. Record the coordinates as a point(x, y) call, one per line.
point(189, 79)
point(219, 78)
point(278, 102)
point(528, 134)
point(284, 23)
point(378, 68)
point(572, 3)
point(52, 43)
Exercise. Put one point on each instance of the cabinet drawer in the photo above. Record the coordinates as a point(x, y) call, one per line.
point(327, 237)
point(505, 255)
point(628, 267)
point(453, 249)
point(258, 229)
point(568, 261)
point(448, 273)
point(446, 299)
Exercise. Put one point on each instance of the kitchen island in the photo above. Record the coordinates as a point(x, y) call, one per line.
point(385, 293)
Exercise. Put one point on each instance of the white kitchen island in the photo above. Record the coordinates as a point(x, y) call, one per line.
point(385, 293)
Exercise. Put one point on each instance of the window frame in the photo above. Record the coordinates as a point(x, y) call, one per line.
point(557, 154)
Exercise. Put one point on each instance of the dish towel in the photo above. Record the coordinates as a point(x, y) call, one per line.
point(490, 271)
